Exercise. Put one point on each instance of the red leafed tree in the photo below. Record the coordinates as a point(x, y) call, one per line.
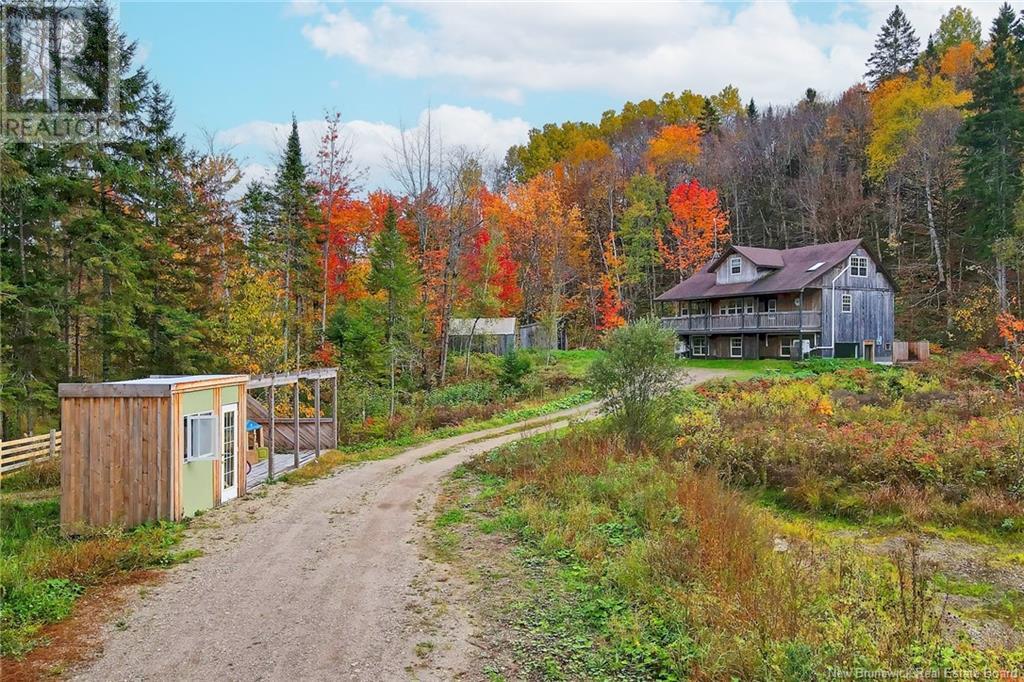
point(609, 305)
point(699, 228)
point(336, 178)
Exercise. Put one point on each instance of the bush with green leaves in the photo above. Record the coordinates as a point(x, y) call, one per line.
point(515, 366)
point(636, 372)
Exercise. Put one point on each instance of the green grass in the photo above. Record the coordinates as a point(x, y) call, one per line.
point(574, 362)
point(43, 573)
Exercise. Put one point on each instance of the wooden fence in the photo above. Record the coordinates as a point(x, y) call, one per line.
point(23, 451)
point(910, 351)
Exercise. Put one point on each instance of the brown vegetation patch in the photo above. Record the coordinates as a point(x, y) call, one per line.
point(77, 638)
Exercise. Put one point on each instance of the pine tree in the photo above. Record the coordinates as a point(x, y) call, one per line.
point(752, 112)
point(295, 232)
point(710, 120)
point(993, 139)
point(895, 49)
point(393, 273)
point(258, 217)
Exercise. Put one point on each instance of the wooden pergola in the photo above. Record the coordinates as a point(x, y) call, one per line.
point(272, 381)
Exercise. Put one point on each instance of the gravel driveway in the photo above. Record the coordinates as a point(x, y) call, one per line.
point(318, 582)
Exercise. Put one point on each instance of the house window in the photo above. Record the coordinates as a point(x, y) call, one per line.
point(699, 345)
point(700, 308)
point(785, 347)
point(771, 306)
point(735, 265)
point(748, 305)
point(198, 431)
point(847, 303)
point(735, 346)
point(731, 306)
point(858, 266)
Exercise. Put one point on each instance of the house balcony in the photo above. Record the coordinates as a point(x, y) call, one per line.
point(785, 321)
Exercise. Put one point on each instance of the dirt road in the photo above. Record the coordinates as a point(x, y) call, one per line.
point(320, 582)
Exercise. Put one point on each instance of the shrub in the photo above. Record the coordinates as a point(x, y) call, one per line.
point(468, 392)
point(637, 370)
point(514, 368)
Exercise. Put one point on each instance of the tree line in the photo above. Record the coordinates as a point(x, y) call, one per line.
point(143, 255)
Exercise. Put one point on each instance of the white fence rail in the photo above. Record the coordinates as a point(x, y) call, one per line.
point(15, 454)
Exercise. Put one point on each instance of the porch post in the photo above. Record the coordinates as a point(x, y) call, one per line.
point(295, 419)
point(270, 453)
point(334, 407)
point(316, 400)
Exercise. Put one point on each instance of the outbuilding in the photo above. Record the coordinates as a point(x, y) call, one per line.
point(163, 447)
point(495, 335)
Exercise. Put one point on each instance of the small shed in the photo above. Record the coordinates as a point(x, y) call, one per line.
point(537, 335)
point(164, 447)
point(495, 335)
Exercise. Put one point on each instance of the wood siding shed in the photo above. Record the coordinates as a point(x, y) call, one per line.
point(123, 450)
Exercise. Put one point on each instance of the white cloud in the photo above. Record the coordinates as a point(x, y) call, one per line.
point(372, 142)
point(632, 50)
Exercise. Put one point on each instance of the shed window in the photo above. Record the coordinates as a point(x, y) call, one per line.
point(736, 347)
point(735, 265)
point(858, 266)
point(847, 303)
point(699, 345)
point(199, 435)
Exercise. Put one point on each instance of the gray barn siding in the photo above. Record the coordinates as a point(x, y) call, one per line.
point(747, 274)
point(873, 315)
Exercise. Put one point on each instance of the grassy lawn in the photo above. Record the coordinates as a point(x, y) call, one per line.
point(748, 369)
point(42, 573)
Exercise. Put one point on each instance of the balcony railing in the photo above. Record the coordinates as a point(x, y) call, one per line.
point(753, 322)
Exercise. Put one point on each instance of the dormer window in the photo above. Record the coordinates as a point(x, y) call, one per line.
point(735, 265)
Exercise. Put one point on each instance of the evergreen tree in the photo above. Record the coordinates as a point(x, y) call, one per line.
point(710, 120)
point(170, 319)
point(993, 139)
point(295, 233)
point(393, 273)
point(895, 49)
point(645, 218)
point(258, 217)
point(752, 112)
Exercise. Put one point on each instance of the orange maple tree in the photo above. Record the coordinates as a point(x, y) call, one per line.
point(609, 305)
point(674, 144)
point(699, 228)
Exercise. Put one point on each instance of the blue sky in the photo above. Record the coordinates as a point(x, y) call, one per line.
point(489, 71)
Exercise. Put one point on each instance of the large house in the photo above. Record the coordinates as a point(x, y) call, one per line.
point(826, 300)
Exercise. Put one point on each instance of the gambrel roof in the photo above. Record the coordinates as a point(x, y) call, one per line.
point(789, 270)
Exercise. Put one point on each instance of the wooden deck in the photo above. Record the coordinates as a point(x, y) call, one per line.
point(283, 461)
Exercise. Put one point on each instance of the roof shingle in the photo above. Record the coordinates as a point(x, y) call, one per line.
point(790, 271)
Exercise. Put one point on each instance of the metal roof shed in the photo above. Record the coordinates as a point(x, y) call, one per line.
point(163, 447)
point(485, 334)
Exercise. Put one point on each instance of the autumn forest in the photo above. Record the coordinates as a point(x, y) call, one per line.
point(146, 256)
